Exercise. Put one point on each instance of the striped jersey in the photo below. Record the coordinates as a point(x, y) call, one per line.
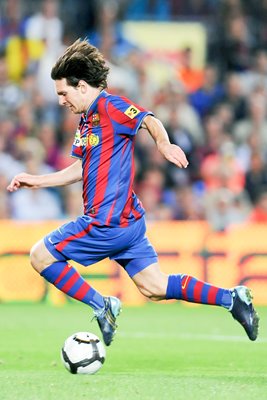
point(104, 141)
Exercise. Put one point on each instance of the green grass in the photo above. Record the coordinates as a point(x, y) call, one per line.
point(161, 351)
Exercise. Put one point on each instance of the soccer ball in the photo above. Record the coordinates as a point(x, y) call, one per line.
point(83, 353)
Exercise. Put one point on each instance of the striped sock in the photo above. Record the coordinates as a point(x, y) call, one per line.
point(188, 288)
point(68, 280)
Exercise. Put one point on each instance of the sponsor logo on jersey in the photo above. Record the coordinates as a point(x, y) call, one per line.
point(132, 112)
point(93, 139)
point(84, 141)
point(77, 138)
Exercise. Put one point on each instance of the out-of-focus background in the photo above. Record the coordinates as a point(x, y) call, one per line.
point(201, 67)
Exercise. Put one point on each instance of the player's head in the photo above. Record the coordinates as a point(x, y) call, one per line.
point(79, 74)
point(81, 61)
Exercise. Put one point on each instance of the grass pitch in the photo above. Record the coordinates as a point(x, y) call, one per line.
point(161, 351)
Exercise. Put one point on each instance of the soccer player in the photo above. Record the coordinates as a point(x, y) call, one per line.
point(113, 223)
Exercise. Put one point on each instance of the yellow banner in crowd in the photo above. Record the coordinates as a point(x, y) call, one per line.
point(238, 256)
point(163, 43)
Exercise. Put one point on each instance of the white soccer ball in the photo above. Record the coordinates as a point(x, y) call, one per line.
point(83, 353)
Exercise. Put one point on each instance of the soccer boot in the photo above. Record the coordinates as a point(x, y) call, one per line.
point(106, 318)
point(243, 311)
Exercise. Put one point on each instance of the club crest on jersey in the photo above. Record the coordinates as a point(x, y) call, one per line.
point(93, 139)
point(132, 112)
point(95, 119)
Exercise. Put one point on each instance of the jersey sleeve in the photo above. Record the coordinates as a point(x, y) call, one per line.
point(76, 151)
point(126, 116)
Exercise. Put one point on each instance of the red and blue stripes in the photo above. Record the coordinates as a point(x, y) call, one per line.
point(188, 288)
point(108, 164)
point(64, 277)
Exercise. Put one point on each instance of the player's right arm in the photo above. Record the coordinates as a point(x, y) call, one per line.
point(66, 176)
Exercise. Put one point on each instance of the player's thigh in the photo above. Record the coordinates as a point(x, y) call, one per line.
point(40, 257)
point(152, 282)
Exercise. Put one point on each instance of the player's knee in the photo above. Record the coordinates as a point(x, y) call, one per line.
point(37, 258)
point(34, 258)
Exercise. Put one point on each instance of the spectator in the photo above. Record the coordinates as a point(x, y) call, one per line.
point(237, 44)
point(180, 136)
point(172, 96)
point(26, 123)
point(211, 92)
point(188, 205)
point(235, 96)
point(219, 168)
point(45, 25)
point(48, 137)
point(191, 78)
point(256, 177)
point(29, 204)
point(255, 122)
point(151, 191)
point(11, 21)
point(256, 76)
point(225, 115)
point(8, 164)
point(12, 27)
point(11, 95)
point(44, 29)
point(259, 212)
point(223, 208)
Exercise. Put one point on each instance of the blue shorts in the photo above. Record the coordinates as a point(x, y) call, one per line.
point(86, 242)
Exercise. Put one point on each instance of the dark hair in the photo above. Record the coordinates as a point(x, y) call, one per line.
point(81, 61)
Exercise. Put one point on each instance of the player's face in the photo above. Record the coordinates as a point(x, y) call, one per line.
point(72, 97)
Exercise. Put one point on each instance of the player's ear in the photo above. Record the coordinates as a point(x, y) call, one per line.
point(82, 85)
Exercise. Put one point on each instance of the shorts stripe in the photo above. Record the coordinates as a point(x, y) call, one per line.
point(86, 242)
point(60, 246)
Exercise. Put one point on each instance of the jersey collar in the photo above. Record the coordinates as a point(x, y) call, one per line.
point(91, 107)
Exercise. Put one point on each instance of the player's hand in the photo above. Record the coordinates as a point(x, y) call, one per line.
point(174, 154)
point(23, 180)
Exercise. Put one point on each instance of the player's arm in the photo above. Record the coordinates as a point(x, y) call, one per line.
point(66, 176)
point(171, 152)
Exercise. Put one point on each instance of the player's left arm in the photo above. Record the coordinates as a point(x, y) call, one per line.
point(171, 152)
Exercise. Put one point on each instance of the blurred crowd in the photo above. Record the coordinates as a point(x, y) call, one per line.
point(217, 114)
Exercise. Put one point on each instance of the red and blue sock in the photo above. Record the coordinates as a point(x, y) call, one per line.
point(68, 280)
point(188, 288)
